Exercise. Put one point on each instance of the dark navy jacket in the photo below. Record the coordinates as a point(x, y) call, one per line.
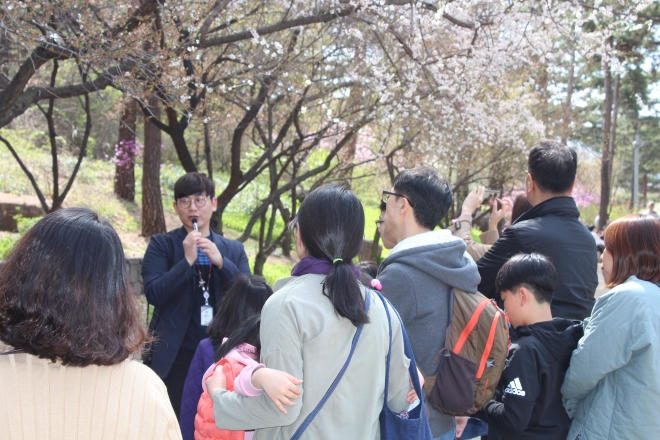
point(172, 291)
point(192, 390)
point(550, 228)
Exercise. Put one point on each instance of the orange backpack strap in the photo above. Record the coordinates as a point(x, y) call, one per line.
point(489, 345)
point(470, 325)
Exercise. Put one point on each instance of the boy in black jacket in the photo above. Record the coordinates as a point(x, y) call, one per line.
point(527, 403)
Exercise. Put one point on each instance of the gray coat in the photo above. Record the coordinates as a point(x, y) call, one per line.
point(612, 386)
point(417, 277)
point(302, 334)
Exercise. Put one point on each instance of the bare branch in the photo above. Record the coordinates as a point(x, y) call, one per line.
point(29, 175)
point(32, 95)
point(322, 17)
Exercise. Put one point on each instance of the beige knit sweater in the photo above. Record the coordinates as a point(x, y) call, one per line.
point(44, 400)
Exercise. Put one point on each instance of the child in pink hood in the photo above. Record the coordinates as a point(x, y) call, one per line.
point(239, 364)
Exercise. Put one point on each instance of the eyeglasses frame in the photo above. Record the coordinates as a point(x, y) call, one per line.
point(193, 200)
point(386, 195)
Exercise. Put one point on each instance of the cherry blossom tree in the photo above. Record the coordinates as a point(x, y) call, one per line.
point(453, 84)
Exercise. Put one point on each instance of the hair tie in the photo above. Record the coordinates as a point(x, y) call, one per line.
point(337, 260)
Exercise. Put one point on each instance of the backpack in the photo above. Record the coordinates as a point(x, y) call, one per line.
point(476, 347)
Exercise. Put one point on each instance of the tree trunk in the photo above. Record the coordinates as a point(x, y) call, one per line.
point(216, 218)
point(605, 183)
point(645, 186)
point(125, 151)
point(179, 141)
point(207, 147)
point(543, 93)
point(52, 135)
point(374, 247)
point(566, 123)
point(259, 263)
point(612, 144)
point(6, 59)
point(153, 219)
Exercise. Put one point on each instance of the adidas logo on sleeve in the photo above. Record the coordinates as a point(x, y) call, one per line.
point(515, 388)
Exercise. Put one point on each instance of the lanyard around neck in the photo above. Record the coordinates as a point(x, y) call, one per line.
point(205, 284)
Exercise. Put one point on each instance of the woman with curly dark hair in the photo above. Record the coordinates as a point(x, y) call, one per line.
point(71, 317)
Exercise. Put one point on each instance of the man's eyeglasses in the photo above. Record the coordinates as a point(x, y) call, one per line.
point(379, 222)
point(185, 202)
point(387, 194)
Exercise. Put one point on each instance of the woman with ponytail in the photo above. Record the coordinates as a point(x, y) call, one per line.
point(307, 329)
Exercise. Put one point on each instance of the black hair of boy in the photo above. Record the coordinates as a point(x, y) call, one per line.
point(427, 192)
point(193, 183)
point(553, 166)
point(533, 271)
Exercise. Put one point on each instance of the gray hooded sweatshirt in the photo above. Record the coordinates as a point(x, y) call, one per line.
point(417, 277)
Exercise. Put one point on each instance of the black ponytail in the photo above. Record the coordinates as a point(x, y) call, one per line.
point(331, 220)
point(246, 333)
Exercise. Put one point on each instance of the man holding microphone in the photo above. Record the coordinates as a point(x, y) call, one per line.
point(185, 274)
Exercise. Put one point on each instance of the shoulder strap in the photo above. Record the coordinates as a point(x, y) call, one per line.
point(451, 317)
point(407, 349)
point(310, 417)
point(16, 351)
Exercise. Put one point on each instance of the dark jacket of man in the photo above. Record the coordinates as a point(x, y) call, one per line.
point(550, 228)
point(174, 291)
point(417, 278)
point(528, 404)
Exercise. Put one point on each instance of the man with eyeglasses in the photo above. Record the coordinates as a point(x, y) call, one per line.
point(422, 268)
point(185, 274)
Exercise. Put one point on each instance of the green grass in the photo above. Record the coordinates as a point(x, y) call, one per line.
point(6, 245)
point(273, 271)
point(475, 233)
point(589, 213)
point(23, 224)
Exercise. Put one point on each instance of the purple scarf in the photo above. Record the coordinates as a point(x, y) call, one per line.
point(317, 266)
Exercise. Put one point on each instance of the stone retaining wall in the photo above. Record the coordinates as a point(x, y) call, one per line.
point(134, 268)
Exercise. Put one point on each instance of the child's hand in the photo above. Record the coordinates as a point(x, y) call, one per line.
point(412, 395)
point(216, 381)
point(461, 423)
point(281, 387)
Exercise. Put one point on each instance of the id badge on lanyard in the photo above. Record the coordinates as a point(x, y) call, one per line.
point(206, 311)
point(207, 315)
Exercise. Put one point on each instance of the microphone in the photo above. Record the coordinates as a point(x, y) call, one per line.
point(194, 221)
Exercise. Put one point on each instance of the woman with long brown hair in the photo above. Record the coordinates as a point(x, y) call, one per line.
point(71, 317)
point(612, 385)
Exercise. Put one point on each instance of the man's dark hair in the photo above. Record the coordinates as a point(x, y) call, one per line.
point(533, 271)
point(427, 191)
point(65, 293)
point(553, 166)
point(193, 183)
